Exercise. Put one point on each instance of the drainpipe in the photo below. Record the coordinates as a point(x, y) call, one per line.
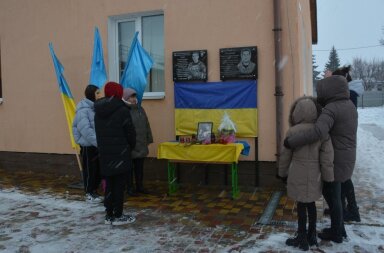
point(278, 77)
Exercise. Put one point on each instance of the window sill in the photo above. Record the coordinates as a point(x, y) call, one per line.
point(154, 95)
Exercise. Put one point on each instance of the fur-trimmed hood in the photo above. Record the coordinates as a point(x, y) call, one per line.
point(304, 110)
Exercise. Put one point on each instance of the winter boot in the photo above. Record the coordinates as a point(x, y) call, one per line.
point(300, 240)
point(329, 235)
point(312, 238)
point(352, 214)
point(352, 210)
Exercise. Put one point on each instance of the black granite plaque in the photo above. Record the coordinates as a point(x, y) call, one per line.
point(238, 63)
point(190, 65)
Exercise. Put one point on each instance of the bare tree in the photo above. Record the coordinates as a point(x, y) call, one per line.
point(372, 73)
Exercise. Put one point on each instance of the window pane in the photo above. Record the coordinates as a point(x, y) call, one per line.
point(153, 42)
point(126, 32)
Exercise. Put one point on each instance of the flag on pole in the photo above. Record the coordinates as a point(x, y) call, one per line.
point(137, 67)
point(66, 95)
point(98, 74)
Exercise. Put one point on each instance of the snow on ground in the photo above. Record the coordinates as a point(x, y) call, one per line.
point(45, 223)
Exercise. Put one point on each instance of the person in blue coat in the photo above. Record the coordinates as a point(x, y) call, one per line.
point(83, 128)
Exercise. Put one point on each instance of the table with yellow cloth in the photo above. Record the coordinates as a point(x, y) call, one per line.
point(176, 152)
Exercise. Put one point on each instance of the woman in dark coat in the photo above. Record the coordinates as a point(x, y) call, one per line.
point(116, 138)
point(350, 211)
point(143, 139)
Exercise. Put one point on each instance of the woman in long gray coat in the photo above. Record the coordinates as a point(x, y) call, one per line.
point(306, 168)
point(143, 139)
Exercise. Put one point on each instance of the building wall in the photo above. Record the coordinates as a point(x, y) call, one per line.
point(32, 116)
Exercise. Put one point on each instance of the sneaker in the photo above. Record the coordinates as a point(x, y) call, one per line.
point(123, 219)
point(108, 220)
point(93, 198)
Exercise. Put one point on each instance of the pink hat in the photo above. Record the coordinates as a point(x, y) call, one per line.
point(128, 92)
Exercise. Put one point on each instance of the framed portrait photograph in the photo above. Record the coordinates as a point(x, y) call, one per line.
point(238, 63)
point(190, 65)
point(204, 130)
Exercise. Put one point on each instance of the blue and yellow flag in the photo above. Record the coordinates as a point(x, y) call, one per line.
point(98, 74)
point(207, 102)
point(136, 70)
point(66, 95)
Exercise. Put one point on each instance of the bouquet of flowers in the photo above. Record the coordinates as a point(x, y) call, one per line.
point(227, 130)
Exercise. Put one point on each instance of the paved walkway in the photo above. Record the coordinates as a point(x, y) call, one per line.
point(202, 218)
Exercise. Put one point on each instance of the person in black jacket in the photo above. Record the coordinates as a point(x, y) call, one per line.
point(116, 138)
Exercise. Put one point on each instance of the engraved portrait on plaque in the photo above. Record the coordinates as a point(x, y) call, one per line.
point(190, 65)
point(238, 63)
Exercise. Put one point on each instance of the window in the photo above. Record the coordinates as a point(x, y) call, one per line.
point(121, 30)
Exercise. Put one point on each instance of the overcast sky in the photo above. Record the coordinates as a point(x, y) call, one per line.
point(349, 24)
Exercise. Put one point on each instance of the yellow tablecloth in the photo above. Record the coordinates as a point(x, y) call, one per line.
point(227, 153)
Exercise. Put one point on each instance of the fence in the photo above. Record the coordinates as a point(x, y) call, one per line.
point(371, 99)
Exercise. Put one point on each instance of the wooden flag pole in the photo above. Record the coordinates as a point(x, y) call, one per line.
point(78, 161)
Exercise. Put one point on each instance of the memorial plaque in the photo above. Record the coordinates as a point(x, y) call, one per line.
point(238, 63)
point(190, 65)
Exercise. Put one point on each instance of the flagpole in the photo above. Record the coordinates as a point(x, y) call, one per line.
point(79, 162)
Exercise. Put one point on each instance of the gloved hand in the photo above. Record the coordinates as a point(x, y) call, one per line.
point(286, 143)
point(283, 179)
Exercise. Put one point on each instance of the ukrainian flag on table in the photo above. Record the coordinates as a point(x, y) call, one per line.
point(207, 102)
point(66, 95)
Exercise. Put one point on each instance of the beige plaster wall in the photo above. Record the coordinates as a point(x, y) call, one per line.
point(32, 116)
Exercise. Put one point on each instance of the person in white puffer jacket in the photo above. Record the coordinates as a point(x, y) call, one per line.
point(83, 128)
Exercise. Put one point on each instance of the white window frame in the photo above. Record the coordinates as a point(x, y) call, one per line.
point(113, 52)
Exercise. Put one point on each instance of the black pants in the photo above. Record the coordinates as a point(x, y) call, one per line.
point(332, 195)
point(348, 198)
point(302, 210)
point(91, 169)
point(114, 195)
point(138, 171)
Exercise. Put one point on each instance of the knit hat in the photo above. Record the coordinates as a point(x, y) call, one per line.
point(128, 92)
point(113, 89)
